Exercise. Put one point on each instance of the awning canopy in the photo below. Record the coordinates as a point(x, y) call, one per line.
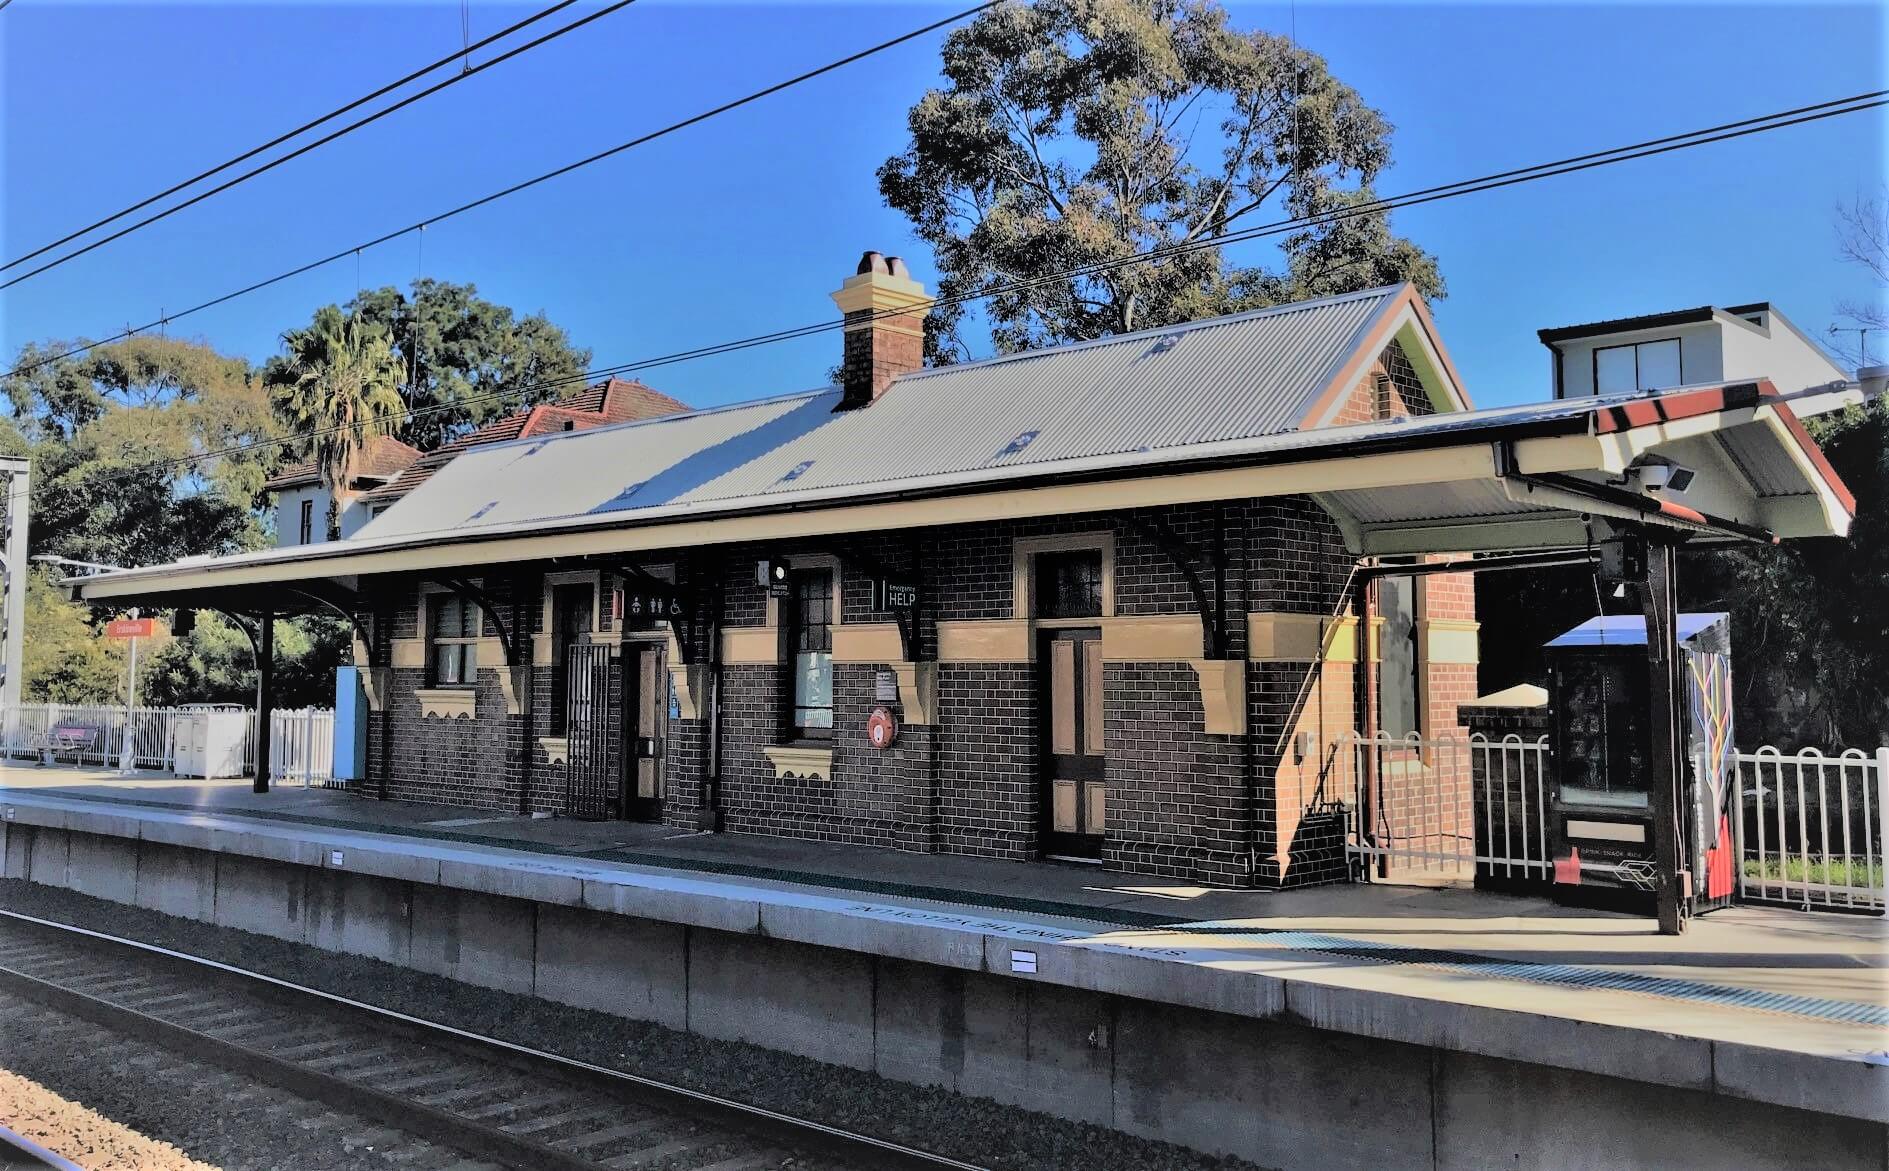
point(1725, 462)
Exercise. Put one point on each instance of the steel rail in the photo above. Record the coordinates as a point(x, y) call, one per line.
point(18, 1151)
point(442, 1126)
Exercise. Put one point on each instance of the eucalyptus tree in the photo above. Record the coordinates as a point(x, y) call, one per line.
point(1077, 133)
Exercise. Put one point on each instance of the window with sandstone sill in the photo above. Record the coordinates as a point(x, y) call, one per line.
point(453, 634)
point(807, 637)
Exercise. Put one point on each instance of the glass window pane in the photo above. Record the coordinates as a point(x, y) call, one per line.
point(1069, 585)
point(1614, 370)
point(470, 671)
point(1397, 668)
point(1659, 364)
point(813, 689)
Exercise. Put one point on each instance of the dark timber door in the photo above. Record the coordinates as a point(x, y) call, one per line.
point(645, 720)
point(1075, 802)
point(589, 790)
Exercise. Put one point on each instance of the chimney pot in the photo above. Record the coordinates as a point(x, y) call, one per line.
point(885, 328)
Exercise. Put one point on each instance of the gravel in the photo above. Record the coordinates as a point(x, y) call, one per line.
point(976, 1130)
point(84, 1136)
point(112, 1103)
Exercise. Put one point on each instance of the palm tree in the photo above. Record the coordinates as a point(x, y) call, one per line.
point(339, 387)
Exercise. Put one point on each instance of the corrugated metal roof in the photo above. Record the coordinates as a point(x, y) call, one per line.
point(1238, 377)
point(600, 469)
point(1457, 500)
point(1227, 378)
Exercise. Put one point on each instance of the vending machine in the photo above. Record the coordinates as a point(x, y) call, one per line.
point(1601, 813)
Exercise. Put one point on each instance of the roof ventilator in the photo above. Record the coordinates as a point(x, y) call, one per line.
point(798, 470)
point(1168, 341)
point(1016, 445)
point(483, 509)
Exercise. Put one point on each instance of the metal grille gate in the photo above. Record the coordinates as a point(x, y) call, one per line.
point(590, 785)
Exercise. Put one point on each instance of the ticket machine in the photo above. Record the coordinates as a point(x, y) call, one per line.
point(1601, 814)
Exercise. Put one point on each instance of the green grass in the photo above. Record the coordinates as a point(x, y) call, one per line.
point(1836, 872)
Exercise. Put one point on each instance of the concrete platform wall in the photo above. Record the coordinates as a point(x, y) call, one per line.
point(1279, 1093)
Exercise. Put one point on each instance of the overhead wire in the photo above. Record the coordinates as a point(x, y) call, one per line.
point(470, 205)
point(1649, 148)
point(325, 139)
point(297, 132)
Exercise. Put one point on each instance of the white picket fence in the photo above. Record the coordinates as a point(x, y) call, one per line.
point(1813, 828)
point(302, 739)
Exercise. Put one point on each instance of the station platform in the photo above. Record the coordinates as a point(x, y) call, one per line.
point(1764, 1005)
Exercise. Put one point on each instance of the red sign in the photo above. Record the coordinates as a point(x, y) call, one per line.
point(882, 729)
point(131, 628)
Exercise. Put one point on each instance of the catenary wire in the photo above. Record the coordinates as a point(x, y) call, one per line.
point(515, 188)
point(1425, 195)
point(1745, 125)
point(304, 128)
point(325, 139)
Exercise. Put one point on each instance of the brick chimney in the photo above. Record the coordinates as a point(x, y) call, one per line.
point(885, 328)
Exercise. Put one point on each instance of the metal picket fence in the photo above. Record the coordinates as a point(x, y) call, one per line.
point(1813, 828)
point(1450, 806)
point(302, 738)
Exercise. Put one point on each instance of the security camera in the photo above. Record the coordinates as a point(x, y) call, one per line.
point(1658, 474)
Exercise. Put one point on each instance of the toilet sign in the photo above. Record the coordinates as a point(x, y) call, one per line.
point(131, 628)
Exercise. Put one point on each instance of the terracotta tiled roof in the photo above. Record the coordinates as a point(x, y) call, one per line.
point(615, 400)
point(382, 458)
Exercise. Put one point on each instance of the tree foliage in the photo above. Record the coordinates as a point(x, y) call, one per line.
point(456, 351)
point(66, 659)
point(1811, 617)
point(215, 663)
point(337, 388)
point(131, 450)
point(1078, 132)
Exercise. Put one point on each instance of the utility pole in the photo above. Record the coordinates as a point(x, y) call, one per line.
point(128, 759)
point(19, 508)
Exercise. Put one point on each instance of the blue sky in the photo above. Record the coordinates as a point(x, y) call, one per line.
point(743, 225)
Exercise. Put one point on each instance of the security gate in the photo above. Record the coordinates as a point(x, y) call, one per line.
point(590, 777)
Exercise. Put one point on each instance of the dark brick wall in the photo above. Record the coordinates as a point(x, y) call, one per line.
point(455, 761)
point(1176, 796)
point(987, 760)
point(1182, 804)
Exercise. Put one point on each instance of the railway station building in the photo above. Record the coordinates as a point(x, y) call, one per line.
point(1120, 601)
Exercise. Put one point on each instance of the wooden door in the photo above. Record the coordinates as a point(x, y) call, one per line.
point(1075, 773)
point(645, 727)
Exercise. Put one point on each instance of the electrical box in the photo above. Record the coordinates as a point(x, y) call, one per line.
point(208, 741)
point(1601, 814)
point(350, 729)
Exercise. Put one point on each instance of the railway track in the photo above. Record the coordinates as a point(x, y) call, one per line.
point(491, 1099)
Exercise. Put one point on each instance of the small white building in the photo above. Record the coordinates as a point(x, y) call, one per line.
point(1691, 346)
point(301, 500)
